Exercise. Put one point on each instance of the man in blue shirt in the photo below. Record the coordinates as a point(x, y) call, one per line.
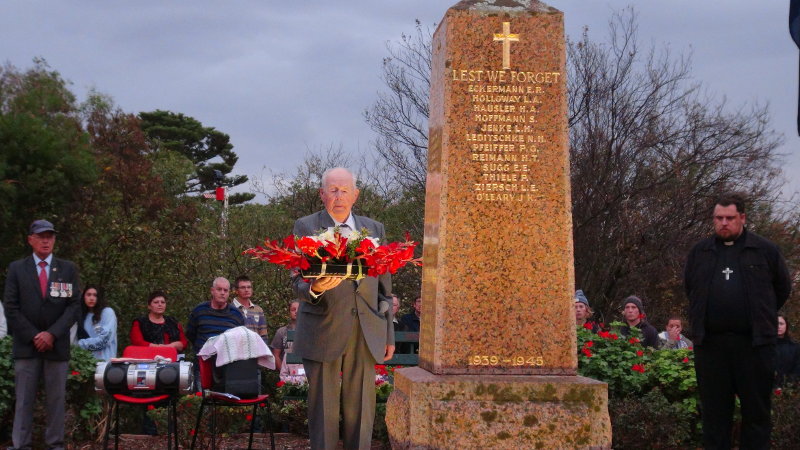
point(212, 318)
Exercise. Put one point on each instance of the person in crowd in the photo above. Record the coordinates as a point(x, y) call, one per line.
point(410, 321)
point(395, 318)
point(290, 373)
point(400, 347)
point(97, 329)
point(671, 338)
point(736, 281)
point(253, 314)
point(41, 301)
point(633, 314)
point(3, 324)
point(213, 317)
point(583, 312)
point(155, 329)
point(787, 366)
point(339, 330)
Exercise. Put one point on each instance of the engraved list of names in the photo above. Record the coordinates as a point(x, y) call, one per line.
point(504, 138)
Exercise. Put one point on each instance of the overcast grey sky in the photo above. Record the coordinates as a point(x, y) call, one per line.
point(284, 77)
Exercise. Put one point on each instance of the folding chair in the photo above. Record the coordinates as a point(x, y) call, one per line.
point(142, 352)
point(215, 399)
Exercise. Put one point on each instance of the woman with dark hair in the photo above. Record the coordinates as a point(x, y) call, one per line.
point(97, 329)
point(155, 329)
point(787, 367)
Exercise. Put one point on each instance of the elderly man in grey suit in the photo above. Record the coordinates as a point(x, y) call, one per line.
point(41, 301)
point(340, 328)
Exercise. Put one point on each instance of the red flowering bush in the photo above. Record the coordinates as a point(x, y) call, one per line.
point(606, 357)
point(634, 372)
point(332, 247)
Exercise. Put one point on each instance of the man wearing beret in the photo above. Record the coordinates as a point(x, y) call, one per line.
point(41, 297)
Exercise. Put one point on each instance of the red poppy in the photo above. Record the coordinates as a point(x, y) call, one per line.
point(588, 344)
point(613, 337)
point(638, 368)
point(633, 340)
point(639, 353)
point(587, 352)
point(686, 360)
point(588, 325)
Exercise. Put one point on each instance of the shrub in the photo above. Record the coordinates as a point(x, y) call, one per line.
point(785, 411)
point(633, 373)
point(619, 361)
point(84, 405)
point(6, 384)
point(649, 421)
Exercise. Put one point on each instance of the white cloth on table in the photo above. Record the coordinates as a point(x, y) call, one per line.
point(237, 344)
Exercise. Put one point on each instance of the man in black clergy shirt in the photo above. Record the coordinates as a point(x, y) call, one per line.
point(735, 281)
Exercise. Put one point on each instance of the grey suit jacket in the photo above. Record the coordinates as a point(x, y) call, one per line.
point(324, 323)
point(28, 313)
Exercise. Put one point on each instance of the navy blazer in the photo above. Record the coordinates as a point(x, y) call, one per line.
point(28, 313)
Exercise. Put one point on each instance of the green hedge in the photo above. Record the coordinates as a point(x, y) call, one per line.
point(84, 406)
point(652, 397)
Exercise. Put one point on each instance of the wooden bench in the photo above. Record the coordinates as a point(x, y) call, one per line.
point(399, 359)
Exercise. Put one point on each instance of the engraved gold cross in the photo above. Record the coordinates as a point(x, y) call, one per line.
point(507, 39)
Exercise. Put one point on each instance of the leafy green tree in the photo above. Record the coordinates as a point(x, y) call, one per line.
point(208, 148)
point(131, 234)
point(45, 158)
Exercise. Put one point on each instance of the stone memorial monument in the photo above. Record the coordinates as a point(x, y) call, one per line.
point(498, 353)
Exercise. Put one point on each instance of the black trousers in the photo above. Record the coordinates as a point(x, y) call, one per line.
point(727, 366)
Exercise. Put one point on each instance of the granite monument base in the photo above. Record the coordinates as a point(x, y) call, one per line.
point(427, 411)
